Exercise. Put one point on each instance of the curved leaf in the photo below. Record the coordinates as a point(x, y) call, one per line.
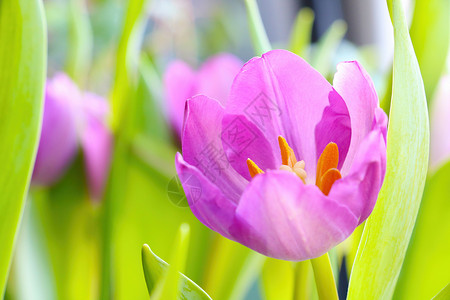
point(427, 263)
point(155, 270)
point(444, 294)
point(387, 231)
point(22, 79)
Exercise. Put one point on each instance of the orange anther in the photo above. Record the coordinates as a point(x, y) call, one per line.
point(253, 168)
point(287, 154)
point(328, 160)
point(327, 180)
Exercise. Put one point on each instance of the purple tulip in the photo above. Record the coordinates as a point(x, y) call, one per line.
point(96, 143)
point(71, 116)
point(214, 78)
point(58, 143)
point(291, 165)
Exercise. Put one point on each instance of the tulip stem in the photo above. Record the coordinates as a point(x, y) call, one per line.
point(258, 34)
point(323, 273)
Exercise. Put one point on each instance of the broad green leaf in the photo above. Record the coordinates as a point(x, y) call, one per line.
point(430, 35)
point(22, 77)
point(426, 267)
point(278, 279)
point(154, 271)
point(326, 47)
point(444, 294)
point(387, 231)
point(258, 34)
point(301, 32)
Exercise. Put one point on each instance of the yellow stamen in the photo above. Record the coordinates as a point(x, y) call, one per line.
point(253, 168)
point(299, 169)
point(328, 160)
point(327, 180)
point(287, 154)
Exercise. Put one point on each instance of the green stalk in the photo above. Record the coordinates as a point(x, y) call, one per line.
point(323, 273)
point(80, 42)
point(301, 283)
point(258, 34)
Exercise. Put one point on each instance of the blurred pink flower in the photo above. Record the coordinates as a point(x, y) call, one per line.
point(440, 124)
point(214, 78)
point(332, 140)
point(71, 116)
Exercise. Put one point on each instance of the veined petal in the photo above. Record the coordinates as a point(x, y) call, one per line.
point(179, 84)
point(216, 76)
point(242, 140)
point(359, 189)
point(205, 199)
point(281, 217)
point(353, 83)
point(334, 127)
point(202, 145)
point(282, 95)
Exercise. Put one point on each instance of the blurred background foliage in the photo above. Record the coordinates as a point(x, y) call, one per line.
point(70, 247)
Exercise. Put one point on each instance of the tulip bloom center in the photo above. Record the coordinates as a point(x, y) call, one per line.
point(327, 172)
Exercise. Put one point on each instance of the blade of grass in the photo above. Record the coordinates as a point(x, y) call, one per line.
point(301, 32)
point(258, 34)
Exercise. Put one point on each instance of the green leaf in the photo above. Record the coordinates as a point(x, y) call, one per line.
point(220, 275)
point(22, 78)
point(430, 35)
point(164, 281)
point(387, 231)
point(278, 279)
point(79, 54)
point(426, 267)
point(301, 32)
point(123, 98)
point(444, 294)
point(258, 34)
point(167, 288)
point(327, 46)
point(127, 60)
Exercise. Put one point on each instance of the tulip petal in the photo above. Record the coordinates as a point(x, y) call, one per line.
point(282, 95)
point(205, 199)
point(179, 83)
point(242, 140)
point(359, 189)
point(216, 75)
point(58, 142)
point(353, 83)
point(281, 217)
point(202, 145)
point(334, 127)
point(96, 143)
